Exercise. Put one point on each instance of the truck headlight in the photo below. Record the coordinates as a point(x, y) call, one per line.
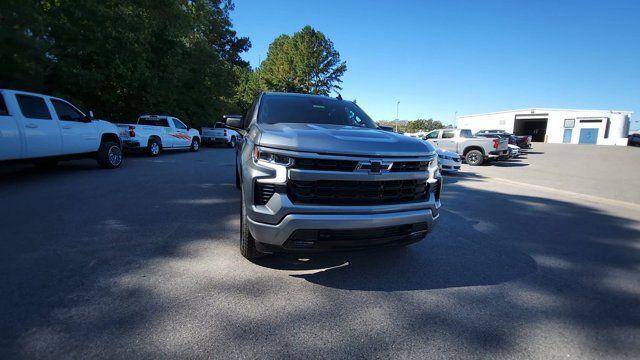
point(277, 162)
point(433, 164)
point(432, 170)
point(266, 157)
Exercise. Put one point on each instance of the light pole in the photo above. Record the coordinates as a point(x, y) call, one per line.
point(397, 114)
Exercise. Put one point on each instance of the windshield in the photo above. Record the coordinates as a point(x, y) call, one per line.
point(218, 125)
point(276, 109)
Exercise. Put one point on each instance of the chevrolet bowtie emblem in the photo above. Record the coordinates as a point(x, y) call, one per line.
point(374, 166)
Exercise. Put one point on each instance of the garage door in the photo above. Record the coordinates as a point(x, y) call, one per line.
point(588, 136)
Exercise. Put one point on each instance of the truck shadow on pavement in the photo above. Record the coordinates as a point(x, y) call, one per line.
point(430, 264)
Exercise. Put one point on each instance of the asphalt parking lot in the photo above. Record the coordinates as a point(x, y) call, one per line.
point(142, 262)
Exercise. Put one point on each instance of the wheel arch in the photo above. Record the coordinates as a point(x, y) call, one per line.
point(472, 147)
point(155, 137)
point(110, 137)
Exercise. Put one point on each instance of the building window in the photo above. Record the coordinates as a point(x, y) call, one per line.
point(569, 123)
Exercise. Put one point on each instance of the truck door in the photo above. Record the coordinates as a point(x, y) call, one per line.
point(10, 143)
point(181, 134)
point(446, 142)
point(41, 132)
point(78, 135)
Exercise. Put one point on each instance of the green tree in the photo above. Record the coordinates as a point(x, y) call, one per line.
point(125, 57)
point(305, 62)
point(23, 45)
point(424, 125)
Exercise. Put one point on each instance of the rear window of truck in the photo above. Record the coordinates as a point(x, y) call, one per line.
point(153, 122)
point(466, 134)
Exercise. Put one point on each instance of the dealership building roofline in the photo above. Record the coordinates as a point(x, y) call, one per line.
point(547, 109)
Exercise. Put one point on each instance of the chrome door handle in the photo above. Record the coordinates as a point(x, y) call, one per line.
point(66, 126)
point(31, 126)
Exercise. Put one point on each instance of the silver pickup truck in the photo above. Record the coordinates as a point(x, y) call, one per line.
point(475, 150)
point(316, 173)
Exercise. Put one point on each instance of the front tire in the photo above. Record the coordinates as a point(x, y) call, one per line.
point(247, 242)
point(232, 142)
point(109, 155)
point(474, 158)
point(195, 145)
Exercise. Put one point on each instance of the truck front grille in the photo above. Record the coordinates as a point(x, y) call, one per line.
point(350, 165)
point(325, 164)
point(407, 166)
point(332, 192)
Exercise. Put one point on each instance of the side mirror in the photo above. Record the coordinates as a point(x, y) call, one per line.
point(88, 117)
point(233, 121)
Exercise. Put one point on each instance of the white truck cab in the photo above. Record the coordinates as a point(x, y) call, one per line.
point(155, 133)
point(45, 129)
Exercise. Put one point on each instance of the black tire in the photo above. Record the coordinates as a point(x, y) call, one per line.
point(46, 164)
point(154, 148)
point(474, 158)
point(247, 242)
point(109, 155)
point(232, 142)
point(195, 145)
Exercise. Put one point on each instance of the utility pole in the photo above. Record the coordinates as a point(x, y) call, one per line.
point(397, 114)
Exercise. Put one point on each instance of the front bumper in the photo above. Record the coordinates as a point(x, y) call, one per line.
point(300, 232)
point(449, 165)
point(274, 223)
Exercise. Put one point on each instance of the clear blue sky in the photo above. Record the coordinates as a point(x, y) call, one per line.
point(439, 57)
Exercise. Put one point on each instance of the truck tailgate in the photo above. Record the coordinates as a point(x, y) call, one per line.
point(214, 132)
point(503, 145)
point(123, 130)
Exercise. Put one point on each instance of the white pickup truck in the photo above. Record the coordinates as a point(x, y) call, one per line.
point(475, 150)
point(45, 130)
point(155, 133)
point(219, 134)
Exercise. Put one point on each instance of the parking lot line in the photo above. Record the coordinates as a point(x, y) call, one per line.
point(595, 199)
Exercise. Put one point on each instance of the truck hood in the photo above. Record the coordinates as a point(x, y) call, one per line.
point(341, 140)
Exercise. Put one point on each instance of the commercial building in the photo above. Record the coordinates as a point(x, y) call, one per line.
point(603, 127)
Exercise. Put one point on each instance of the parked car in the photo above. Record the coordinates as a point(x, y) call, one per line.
point(386, 128)
point(514, 151)
point(156, 133)
point(316, 174)
point(46, 129)
point(219, 134)
point(475, 150)
point(634, 139)
point(448, 161)
point(524, 142)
